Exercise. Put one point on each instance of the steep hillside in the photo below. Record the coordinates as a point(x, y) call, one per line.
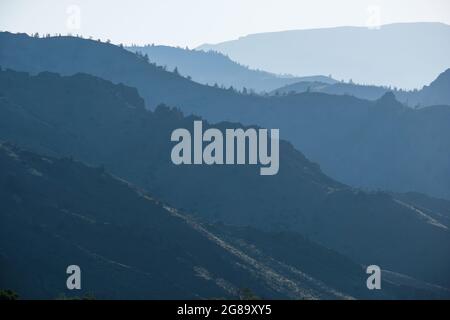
point(127, 244)
point(72, 213)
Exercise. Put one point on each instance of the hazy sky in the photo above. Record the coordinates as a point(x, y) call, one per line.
point(194, 22)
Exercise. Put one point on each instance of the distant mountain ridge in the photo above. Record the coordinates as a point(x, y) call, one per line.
point(215, 68)
point(404, 55)
point(436, 93)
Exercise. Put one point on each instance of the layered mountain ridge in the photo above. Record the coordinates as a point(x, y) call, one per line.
point(403, 150)
point(107, 125)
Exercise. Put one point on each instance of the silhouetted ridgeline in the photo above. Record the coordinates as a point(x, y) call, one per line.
point(437, 92)
point(215, 68)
